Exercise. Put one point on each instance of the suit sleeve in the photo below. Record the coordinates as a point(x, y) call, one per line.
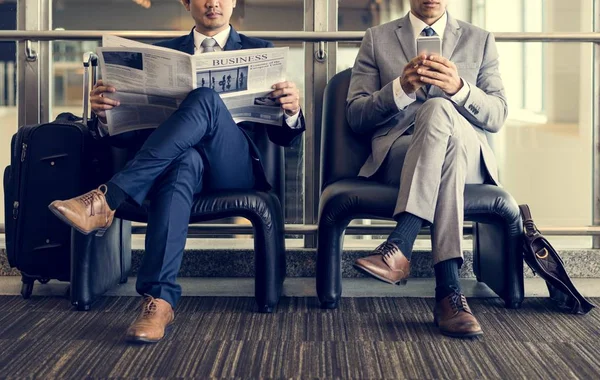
point(485, 106)
point(368, 104)
point(285, 135)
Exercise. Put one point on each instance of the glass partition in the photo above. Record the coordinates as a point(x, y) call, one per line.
point(547, 138)
point(8, 89)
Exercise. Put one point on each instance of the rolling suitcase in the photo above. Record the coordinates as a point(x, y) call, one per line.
point(49, 161)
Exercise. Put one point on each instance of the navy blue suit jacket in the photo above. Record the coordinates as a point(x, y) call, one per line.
point(281, 135)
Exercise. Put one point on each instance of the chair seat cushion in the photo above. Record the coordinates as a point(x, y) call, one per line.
point(251, 204)
point(360, 198)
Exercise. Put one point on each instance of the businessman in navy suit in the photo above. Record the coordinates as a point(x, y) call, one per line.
point(198, 148)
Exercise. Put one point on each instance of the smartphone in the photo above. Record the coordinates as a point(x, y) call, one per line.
point(429, 45)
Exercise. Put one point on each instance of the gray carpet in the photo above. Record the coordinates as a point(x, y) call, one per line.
point(365, 338)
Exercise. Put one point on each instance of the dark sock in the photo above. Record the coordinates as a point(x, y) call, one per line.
point(406, 232)
point(446, 278)
point(115, 196)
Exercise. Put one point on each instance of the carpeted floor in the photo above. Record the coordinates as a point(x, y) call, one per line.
point(366, 338)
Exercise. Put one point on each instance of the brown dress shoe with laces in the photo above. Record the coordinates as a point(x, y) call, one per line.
point(387, 264)
point(454, 317)
point(151, 324)
point(86, 213)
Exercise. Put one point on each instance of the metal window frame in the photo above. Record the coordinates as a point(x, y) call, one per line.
point(33, 65)
point(305, 36)
point(596, 128)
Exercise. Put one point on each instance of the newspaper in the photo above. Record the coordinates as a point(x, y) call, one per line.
point(152, 81)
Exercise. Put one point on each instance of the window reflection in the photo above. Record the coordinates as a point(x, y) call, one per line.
point(8, 89)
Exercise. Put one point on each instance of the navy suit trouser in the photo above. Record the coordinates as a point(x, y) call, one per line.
point(198, 148)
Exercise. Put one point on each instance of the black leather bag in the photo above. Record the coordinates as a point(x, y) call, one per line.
point(543, 260)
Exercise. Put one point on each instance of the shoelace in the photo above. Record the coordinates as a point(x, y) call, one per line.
point(88, 198)
point(386, 249)
point(149, 308)
point(459, 302)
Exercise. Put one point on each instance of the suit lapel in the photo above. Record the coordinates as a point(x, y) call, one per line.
point(406, 38)
point(452, 34)
point(187, 45)
point(233, 42)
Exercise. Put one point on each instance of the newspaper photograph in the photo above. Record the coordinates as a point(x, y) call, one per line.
point(152, 82)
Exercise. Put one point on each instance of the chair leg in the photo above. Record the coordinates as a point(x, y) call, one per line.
point(329, 263)
point(475, 237)
point(269, 248)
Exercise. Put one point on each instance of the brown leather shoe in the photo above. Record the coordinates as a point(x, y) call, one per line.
point(387, 264)
point(151, 324)
point(454, 317)
point(86, 213)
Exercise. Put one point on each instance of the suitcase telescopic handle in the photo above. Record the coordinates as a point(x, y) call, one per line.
point(89, 60)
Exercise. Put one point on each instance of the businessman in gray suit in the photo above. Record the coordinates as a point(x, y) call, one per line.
point(427, 116)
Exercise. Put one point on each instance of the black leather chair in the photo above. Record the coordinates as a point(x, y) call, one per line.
point(263, 209)
point(497, 250)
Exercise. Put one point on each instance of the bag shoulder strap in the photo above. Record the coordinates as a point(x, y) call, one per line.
point(530, 229)
point(525, 212)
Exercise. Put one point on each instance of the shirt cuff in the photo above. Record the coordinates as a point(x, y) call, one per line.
point(102, 128)
point(292, 121)
point(460, 98)
point(400, 97)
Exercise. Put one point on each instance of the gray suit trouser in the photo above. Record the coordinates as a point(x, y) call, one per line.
point(432, 166)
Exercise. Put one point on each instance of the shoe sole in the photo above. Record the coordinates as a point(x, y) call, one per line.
point(378, 277)
point(141, 340)
point(99, 232)
point(466, 336)
point(458, 335)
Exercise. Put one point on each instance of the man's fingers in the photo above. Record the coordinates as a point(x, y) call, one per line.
point(433, 74)
point(105, 100)
point(290, 107)
point(104, 107)
point(283, 92)
point(288, 99)
point(444, 61)
point(432, 81)
point(417, 60)
point(437, 66)
point(100, 89)
point(286, 84)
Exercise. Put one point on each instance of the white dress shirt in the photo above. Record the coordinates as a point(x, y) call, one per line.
point(220, 37)
point(402, 99)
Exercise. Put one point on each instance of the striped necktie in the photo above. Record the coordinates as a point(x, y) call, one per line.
point(428, 32)
point(208, 45)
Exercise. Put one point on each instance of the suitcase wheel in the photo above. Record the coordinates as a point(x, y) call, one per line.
point(26, 287)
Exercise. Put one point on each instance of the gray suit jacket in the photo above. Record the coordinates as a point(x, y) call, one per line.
point(384, 52)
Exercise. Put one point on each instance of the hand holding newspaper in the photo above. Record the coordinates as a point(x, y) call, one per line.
point(152, 81)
